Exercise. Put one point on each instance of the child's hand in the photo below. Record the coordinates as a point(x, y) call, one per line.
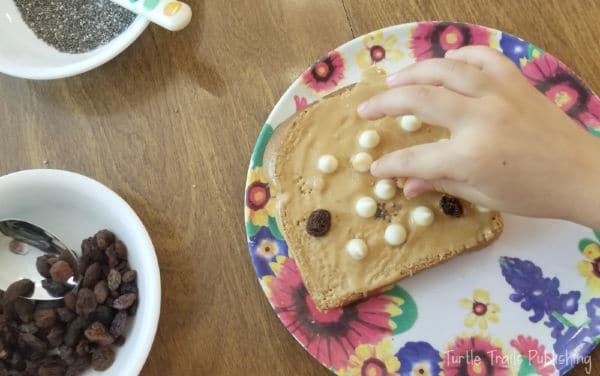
point(511, 148)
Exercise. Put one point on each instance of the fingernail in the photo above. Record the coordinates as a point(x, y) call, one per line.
point(450, 53)
point(408, 193)
point(374, 166)
point(362, 107)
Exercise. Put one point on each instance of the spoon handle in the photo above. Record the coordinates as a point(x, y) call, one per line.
point(170, 14)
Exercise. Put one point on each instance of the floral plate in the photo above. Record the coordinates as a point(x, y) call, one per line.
point(527, 305)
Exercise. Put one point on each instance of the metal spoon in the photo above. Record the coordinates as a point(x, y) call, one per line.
point(21, 243)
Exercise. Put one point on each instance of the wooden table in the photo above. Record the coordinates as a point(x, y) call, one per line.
point(170, 125)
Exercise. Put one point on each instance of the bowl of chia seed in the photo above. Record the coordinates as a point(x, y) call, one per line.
point(50, 39)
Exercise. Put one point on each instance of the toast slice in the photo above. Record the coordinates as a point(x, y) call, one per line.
point(317, 211)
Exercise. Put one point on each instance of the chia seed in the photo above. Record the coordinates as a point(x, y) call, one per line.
point(75, 26)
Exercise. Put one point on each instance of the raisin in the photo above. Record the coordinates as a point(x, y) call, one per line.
point(90, 250)
point(83, 347)
point(65, 314)
point(30, 328)
point(75, 331)
point(84, 263)
point(44, 318)
point(451, 206)
point(103, 358)
point(31, 345)
point(23, 287)
point(70, 300)
point(104, 239)
point(104, 314)
point(16, 362)
point(55, 336)
point(52, 367)
point(130, 287)
point(129, 276)
point(101, 292)
point(318, 223)
point(121, 250)
point(114, 280)
point(92, 275)
point(61, 271)
point(97, 333)
point(133, 309)
point(42, 266)
point(86, 302)
point(119, 324)
point(66, 353)
point(24, 309)
point(79, 366)
point(123, 267)
point(111, 254)
point(119, 341)
point(124, 301)
point(54, 288)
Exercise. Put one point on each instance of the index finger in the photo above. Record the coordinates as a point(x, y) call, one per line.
point(432, 104)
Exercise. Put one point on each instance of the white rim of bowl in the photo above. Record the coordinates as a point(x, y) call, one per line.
point(109, 51)
point(149, 326)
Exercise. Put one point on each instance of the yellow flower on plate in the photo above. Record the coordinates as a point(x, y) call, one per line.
point(373, 360)
point(377, 49)
point(481, 309)
point(259, 203)
point(590, 268)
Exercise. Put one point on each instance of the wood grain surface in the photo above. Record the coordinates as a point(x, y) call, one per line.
point(170, 125)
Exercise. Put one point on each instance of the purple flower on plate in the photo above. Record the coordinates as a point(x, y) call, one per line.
point(593, 311)
point(572, 346)
point(574, 343)
point(264, 248)
point(536, 293)
point(514, 48)
point(419, 358)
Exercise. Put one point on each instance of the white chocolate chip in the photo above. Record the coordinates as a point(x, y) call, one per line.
point(409, 123)
point(365, 207)
point(395, 234)
point(482, 209)
point(369, 139)
point(357, 249)
point(385, 189)
point(362, 161)
point(421, 216)
point(327, 164)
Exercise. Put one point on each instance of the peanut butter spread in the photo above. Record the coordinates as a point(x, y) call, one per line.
point(334, 273)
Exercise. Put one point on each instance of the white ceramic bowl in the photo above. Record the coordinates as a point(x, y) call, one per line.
point(74, 207)
point(23, 55)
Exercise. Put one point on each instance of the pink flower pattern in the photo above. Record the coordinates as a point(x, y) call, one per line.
point(326, 73)
point(434, 39)
point(562, 87)
point(531, 349)
point(301, 103)
point(330, 336)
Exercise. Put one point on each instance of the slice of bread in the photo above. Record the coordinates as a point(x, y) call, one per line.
point(333, 274)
